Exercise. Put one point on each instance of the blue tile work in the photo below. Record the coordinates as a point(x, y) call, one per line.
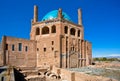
point(54, 14)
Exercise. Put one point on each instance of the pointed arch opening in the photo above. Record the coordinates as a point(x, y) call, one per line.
point(66, 30)
point(37, 31)
point(78, 33)
point(72, 31)
point(53, 30)
point(45, 30)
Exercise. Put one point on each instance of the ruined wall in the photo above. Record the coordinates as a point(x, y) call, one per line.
point(19, 56)
point(77, 76)
point(86, 77)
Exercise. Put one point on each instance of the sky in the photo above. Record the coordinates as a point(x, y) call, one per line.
point(101, 20)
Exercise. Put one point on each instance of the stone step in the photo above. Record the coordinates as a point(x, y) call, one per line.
point(25, 68)
point(35, 78)
point(30, 73)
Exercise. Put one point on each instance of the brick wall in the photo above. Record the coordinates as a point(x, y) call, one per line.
point(26, 57)
point(48, 53)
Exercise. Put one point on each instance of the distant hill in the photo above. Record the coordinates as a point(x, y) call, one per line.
point(113, 57)
point(109, 57)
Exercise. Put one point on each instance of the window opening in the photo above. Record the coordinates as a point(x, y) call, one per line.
point(66, 29)
point(6, 46)
point(52, 48)
point(44, 49)
point(13, 47)
point(45, 30)
point(78, 33)
point(37, 31)
point(26, 48)
point(53, 29)
point(20, 46)
point(72, 31)
point(52, 42)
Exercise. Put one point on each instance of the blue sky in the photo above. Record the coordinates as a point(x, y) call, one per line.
point(101, 20)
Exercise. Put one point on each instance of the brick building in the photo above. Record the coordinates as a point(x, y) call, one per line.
point(55, 40)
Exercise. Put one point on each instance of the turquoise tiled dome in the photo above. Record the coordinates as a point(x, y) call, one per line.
point(54, 14)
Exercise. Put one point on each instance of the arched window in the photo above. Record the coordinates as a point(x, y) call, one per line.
point(37, 31)
point(53, 30)
point(66, 30)
point(45, 30)
point(72, 31)
point(78, 33)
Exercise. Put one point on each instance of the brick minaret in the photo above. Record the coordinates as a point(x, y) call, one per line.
point(35, 19)
point(79, 17)
point(60, 13)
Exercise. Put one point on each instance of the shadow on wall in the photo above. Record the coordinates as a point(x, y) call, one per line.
point(18, 76)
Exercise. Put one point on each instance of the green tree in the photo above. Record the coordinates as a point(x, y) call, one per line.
point(96, 59)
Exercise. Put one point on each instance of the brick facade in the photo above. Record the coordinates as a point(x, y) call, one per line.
point(13, 55)
point(58, 42)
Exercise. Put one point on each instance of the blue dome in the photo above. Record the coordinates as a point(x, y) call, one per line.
point(54, 14)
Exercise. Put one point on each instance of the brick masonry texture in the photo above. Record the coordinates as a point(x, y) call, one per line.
point(56, 42)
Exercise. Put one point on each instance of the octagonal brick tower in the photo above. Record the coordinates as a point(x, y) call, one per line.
point(60, 42)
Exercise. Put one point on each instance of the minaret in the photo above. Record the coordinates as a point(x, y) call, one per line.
point(79, 16)
point(60, 13)
point(35, 18)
